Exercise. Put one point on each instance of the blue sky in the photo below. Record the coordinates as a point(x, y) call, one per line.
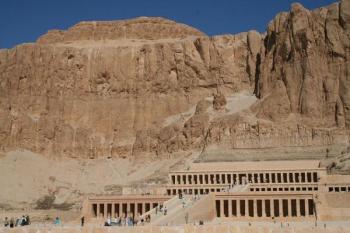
point(25, 20)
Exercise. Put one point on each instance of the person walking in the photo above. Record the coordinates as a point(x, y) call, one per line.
point(57, 221)
point(82, 221)
point(12, 223)
point(6, 222)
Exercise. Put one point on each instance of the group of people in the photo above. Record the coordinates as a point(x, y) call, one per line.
point(131, 221)
point(117, 221)
point(162, 209)
point(22, 221)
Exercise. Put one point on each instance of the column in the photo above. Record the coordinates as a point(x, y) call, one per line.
point(128, 208)
point(222, 214)
point(105, 210)
point(280, 205)
point(255, 207)
point(307, 207)
point(272, 208)
point(263, 207)
point(229, 208)
point(143, 207)
point(253, 179)
point(113, 210)
point(298, 207)
point(98, 210)
point(238, 207)
point(120, 209)
point(289, 201)
point(288, 180)
point(246, 206)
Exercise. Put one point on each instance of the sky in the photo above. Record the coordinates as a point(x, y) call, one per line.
point(25, 20)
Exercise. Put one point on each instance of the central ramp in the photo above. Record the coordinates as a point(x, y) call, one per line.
point(187, 209)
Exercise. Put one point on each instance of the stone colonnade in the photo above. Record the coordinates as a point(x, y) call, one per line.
point(203, 178)
point(265, 206)
point(103, 208)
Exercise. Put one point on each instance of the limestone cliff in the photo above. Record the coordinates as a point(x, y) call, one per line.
point(131, 88)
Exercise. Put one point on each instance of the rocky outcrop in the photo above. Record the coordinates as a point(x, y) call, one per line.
point(80, 96)
point(131, 88)
point(138, 28)
point(305, 66)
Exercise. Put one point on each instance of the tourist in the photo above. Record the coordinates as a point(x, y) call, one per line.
point(165, 211)
point(118, 220)
point(115, 221)
point(57, 221)
point(23, 221)
point(27, 220)
point(108, 222)
point(129, 221)
point(12, 223)
point(186, 217)
point(17, 222)
point(123, 221)
point(156, 210)
point(82, 221)
point(6, 222)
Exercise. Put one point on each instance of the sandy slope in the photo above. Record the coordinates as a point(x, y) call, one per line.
point(25, 177)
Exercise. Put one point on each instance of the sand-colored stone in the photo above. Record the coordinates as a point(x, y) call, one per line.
point(146, 89)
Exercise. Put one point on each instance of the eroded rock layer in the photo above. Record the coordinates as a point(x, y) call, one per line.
point(153, 86)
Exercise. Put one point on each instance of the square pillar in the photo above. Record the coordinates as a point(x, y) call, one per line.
point(222, 213)
point(238, 207)
point(272, 208)
point(105, 210)
point(255, 207)
point(229, 208)
point(280, 205)
point(289, 201)
point(263, 207)
point(143, 208)
point(128, 208)
point(98, 210)
point(298, 207)
point(307, 207)
point(246, 206)
point(113, 210)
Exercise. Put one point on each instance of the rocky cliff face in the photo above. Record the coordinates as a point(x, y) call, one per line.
point(305, 66)
point(152, 86)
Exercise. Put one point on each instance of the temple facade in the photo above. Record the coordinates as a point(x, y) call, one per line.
point(268, 190)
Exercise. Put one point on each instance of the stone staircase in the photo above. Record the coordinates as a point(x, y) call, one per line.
point(176, 210)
